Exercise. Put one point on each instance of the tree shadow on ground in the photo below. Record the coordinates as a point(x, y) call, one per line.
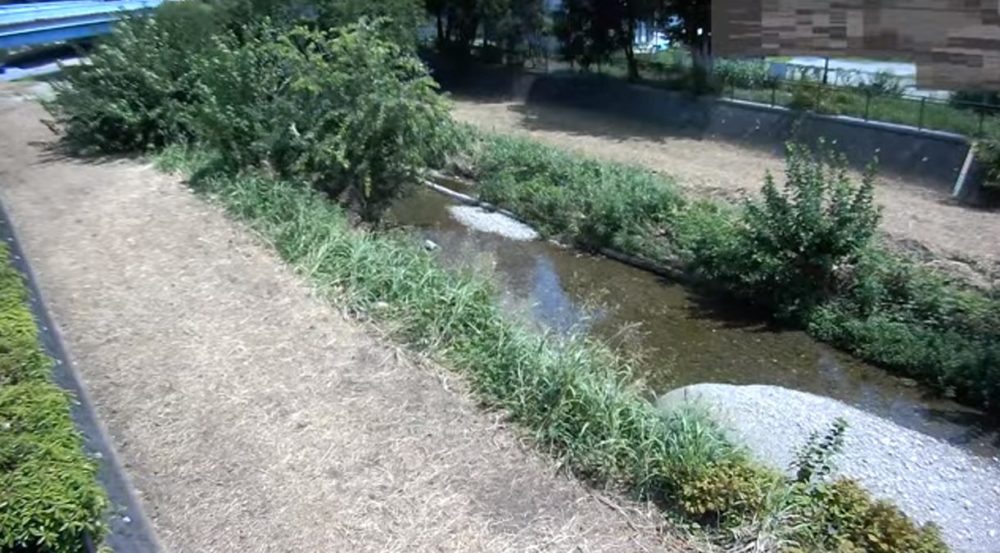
point(59, 150)
point(583, 122)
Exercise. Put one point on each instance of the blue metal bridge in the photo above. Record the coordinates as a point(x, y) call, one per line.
point(27, 24)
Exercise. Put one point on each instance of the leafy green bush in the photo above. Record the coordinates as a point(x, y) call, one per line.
point(792, 241)
point(904, 317)
point(728, 493)
point(883, 83)
point(401, 18)
point(138, 88)
point(987, 152)
point(346, 110)
point(843, 516)
point(49, 497)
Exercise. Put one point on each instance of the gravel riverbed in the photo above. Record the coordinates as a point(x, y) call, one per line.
point(491, 221)
point(930, 480)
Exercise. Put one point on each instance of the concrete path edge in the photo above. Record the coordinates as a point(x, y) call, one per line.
point(129, 530)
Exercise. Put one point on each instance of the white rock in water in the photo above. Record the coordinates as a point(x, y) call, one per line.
point(773, 422)
point(490, 221)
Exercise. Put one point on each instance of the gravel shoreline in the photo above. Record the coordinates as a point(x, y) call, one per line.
point(930, 480)
point(490, 221)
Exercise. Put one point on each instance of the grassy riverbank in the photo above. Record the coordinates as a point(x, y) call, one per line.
point(293, 125)
point(574, 397)
point(881, 307)
point(49, 496)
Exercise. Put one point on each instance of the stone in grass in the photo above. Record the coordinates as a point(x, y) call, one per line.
point(930, 480)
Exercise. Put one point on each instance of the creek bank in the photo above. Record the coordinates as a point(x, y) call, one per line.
point(929, 479)
point(687, 338)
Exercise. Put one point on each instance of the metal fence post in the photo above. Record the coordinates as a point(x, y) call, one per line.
point(920, 120)
point(774, 91)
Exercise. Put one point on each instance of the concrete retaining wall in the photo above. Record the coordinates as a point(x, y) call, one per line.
point(930, 158)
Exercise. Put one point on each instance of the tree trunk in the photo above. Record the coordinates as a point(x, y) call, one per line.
point(633, 66)
point(440, 29)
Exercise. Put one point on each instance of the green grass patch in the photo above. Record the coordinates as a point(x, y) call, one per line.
point(49, 497)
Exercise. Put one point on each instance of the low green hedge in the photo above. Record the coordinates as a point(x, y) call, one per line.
point(49, 496)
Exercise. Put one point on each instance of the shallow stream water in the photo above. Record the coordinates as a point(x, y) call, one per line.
point(682, 337)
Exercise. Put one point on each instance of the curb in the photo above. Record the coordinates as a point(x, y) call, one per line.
point(129, 530)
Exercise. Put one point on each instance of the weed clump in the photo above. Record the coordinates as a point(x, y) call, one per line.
point(346, 110)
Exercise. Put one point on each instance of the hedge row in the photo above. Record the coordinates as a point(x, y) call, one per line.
point(50, 501)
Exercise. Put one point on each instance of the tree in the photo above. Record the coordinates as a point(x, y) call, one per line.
point(683, 19)
point(505, 23)
point(591, 30)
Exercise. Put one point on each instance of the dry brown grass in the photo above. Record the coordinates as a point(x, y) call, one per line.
point(250, 414)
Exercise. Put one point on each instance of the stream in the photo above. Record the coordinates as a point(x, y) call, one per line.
point(679, 336)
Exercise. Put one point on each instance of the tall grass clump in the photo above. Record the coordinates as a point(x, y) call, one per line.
point(346, 110)
point(595, 204)
point(49, 497)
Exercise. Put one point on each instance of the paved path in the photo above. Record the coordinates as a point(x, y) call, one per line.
point(250, 415)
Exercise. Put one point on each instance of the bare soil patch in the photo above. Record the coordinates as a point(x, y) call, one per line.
point(957, 239)
point(251, 415)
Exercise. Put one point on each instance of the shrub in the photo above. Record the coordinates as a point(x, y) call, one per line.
point(842, 516)
point(794, 240)
point(905, 317)
point(744, 73)
point(49, 498)
point(346, 110)
point(20, 357)
point(138, 88)
point(401, 18)
point(728, 493)
point(987, 152)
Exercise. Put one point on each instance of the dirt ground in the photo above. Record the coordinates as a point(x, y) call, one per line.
point(958, 240)
point(249, 414)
